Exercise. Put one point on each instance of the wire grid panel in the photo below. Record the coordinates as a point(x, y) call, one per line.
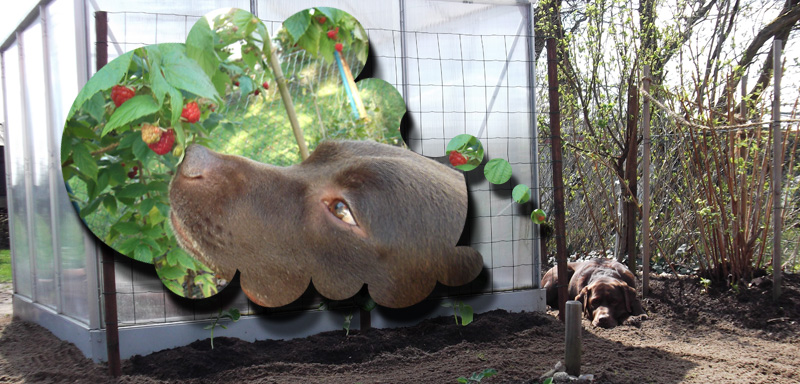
point(477, 83)
point(453, 82)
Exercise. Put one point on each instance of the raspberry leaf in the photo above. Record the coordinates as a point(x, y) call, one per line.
point(297, 25)
point(333, 14)
point(200, 47)
point(86, 164)
point(176, 106)
point(143, 253)
point(137, 107)
point(246, 85)
point(497, 171)
point(184, 73)
point(107, 77)
point(521, 194)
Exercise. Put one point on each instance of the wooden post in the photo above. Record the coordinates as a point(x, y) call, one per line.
point(646, 180)
point(777, 163)
point(572, 338)
point(109, 280)
point(558, 178)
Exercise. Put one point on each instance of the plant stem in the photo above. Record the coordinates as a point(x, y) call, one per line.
point(275, 64)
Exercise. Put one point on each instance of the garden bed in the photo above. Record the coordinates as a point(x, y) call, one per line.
point(693, 334)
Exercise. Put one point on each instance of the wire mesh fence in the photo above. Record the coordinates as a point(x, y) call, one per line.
point(452, 84)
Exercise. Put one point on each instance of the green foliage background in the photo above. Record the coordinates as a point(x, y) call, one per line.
point(223, 67)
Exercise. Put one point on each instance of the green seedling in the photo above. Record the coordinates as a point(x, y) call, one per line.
point(347, 320)
point(460, 311)
point(706, 283)
point(477, 376)
point(232, 314)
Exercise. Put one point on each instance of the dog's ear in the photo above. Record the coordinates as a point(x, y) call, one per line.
point(584, 296)
point(632, 304)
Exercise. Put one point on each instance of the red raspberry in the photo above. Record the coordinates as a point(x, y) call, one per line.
point(165, 143)
point(339, 47)
point(191, 112)
point(121, 94)
point(236, 83)
point(151, 133)
point(265, 85)
point(457, 159)
point(256, 92)
point(333, 33)
point(322, 19)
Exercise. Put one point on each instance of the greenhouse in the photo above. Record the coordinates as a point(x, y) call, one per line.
point(460, 67)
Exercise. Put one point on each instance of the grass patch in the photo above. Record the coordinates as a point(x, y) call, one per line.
point(5, 265)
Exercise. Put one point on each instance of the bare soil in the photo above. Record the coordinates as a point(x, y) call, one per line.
point(690, 335)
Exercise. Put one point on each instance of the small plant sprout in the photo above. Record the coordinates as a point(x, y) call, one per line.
point(460, 311)
point(232, 314)
point(347, 320)
point(477, 376)
point(706, 283)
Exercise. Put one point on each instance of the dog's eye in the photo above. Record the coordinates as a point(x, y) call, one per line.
point(342, 211)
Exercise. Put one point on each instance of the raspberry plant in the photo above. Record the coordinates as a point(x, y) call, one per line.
point(170, 95)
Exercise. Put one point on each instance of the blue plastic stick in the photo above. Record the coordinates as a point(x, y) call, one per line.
point(346, 85)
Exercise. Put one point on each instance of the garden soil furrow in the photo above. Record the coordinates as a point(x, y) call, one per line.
point(692, 334)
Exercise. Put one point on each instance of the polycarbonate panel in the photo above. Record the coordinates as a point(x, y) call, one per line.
point(37, 126)
point(73, 258)
point(134, 24)
point(16, 167)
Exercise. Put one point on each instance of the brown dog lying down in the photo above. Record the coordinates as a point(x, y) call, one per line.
point(353, 213)
point(606, 288)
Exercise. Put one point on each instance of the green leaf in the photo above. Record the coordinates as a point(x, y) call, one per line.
point(176, 107)
point(174, 287)
point(521, 194)
point(143, 253)
point(132, 191)
point(86, 164)
point(141, 150)
point(333, 14)
point(170, 273)
point(297, 24)
point(459, 143)
point(497, 171)
point(79, 130)
point(90, 208)
point(137, 107)
point(107, 77)
point(127, 246)
point(466, 313)
point(110, 203)
point(220, 81)
point(158, 83)
point(310, 40)
point(96, 107)
point(200, 46)
point(146, 205)
point(246, 85)
point(186, 74)
point(127, 227)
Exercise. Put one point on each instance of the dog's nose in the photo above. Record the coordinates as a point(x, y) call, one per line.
point(604, 321)
point(197, 162)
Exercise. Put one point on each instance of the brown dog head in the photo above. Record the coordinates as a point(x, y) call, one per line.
point(607, 302)
point(353, 213)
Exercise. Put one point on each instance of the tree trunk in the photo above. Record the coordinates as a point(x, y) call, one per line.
point(630, 209)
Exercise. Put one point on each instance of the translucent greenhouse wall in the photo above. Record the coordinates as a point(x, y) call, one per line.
point(461, 68)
